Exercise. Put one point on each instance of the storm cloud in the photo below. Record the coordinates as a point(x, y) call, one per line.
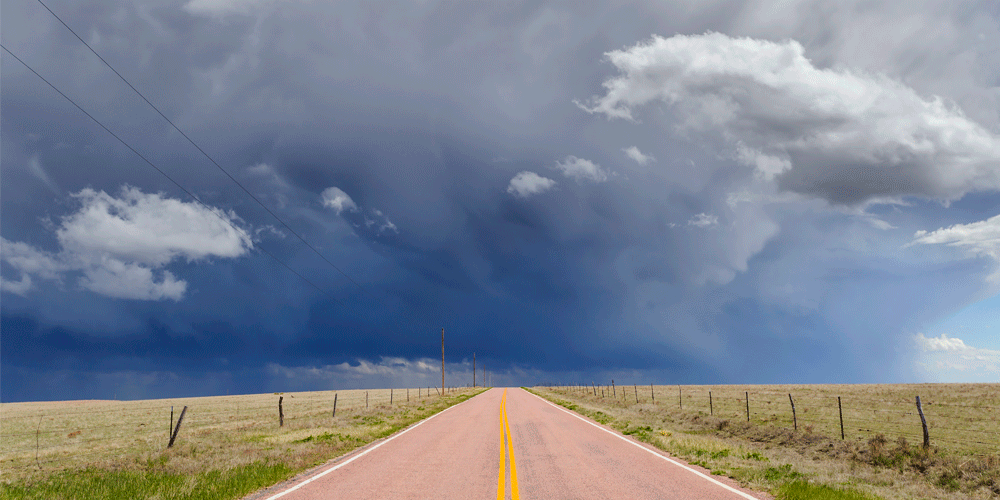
point(668, 192)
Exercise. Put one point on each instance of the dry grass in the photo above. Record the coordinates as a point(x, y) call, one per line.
point(881, 454)
point(217, 433)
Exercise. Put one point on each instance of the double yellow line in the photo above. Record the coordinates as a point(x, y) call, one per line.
point(506, 448)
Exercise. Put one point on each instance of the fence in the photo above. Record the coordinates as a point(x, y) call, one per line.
point(959, 417)
point(67, 434)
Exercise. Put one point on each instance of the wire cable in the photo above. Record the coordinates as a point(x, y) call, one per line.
point(199, 148)
point(171, 179)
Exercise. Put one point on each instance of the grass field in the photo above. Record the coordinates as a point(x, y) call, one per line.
point(226, 447)
point(880, 457)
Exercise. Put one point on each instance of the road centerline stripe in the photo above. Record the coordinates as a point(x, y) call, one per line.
point(514, 493)
point(506, 450)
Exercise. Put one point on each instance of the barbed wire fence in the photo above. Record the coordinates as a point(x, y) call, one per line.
point(54, 436)
point(963, 427)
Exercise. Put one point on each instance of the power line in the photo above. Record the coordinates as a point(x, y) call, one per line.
point(171, 179)
point(245, 190)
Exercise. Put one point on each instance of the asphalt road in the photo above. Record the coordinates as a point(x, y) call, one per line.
point(508, 443)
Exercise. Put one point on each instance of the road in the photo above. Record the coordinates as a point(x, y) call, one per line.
point(508, 443)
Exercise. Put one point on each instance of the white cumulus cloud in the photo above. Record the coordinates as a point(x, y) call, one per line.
point(335, 198)
point(634, 153)
point(526, 183)
point(120, 245)
point(223, 7)
point(846, 136)
point(149, 228)
point(942, 343)
point(581, 169)
point(978, 238)
point(131, 280)
point(951, 359)
point(704, 220)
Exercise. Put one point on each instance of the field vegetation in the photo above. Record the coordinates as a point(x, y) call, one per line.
point(880, 457)
point(227, 446)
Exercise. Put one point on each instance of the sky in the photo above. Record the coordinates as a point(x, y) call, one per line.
point(687, 192)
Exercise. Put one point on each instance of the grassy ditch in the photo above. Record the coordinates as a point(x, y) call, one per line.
point(793, 464)
point(220, 456)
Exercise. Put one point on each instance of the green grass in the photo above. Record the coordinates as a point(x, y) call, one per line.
point(100, 484)
point(225, 452)
point(770, 454)
point(802, 490)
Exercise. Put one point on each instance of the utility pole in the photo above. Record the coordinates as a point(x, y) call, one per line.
point(442, 361)
point(473, 370)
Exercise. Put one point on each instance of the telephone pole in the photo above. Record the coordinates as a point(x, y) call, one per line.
point(442, 361)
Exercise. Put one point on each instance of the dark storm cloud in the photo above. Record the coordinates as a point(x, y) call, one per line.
point(680, 267)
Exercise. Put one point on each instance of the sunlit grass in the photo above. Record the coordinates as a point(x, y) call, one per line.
point(224, 443)
point(881, 456)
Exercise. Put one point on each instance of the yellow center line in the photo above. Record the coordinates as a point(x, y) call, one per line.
point(505, 431)
point(514, 494)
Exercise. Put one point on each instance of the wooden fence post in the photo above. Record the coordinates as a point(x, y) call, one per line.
point(407, 394)
point(680, 399)
point(180, 419)
point(366, 400)
point(38, 430)
point(390, 396)
point(795, 420)
point(334, 405)
point(281, 412)
point(923, 423)
point(748, 405)
point(636, 393)
point(652, 396)
point(171, 429)
point(711, 410)
point(841, 410)
point(614, 392)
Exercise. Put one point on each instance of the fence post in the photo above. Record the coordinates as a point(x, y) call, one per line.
point(795, 420)
point(390, 396)
point(652, 396)
point(334, 404)
point(594, 385)
point(38, 429)
point(680, 399)
point(636, 388)
point(366, 400)
point(841, 410)
point(923, 423)
point(711, 410)
point(171, 429)
point(179, 420)
point(407, 394)
point(748, 405)
point(281, 413)
point(614, 392)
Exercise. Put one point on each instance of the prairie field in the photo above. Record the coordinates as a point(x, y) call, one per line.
point(43, 445)
point(879, 456)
